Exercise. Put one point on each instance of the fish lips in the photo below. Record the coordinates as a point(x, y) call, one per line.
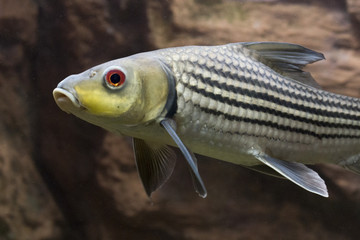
point(66, 100)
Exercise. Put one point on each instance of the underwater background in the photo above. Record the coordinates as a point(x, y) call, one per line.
point(62, 178)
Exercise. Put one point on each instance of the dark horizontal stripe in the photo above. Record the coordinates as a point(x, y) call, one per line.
point(270, 111)
point(274, 125)
point(281, 102)
point(281, 91)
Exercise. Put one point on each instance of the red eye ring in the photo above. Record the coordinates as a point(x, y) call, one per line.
point(115, 77)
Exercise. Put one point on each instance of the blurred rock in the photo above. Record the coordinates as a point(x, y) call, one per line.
point(27, 210)
point(353, 7)
point(62, 178)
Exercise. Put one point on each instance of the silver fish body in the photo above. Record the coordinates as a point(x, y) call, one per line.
point(246, 103)
point(229, 104)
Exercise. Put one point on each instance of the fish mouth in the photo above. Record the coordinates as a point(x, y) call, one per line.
point(66, 100)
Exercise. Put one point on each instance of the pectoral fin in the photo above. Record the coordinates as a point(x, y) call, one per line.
point(169, 125)
point(155, 163)
point(196, 179)
point(298, 173)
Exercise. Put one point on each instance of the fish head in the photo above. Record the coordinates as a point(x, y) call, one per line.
point(128, 91)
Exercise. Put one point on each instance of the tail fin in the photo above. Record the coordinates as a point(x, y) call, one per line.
point(352, 164)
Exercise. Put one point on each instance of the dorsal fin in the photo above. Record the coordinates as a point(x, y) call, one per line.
point(286, 58)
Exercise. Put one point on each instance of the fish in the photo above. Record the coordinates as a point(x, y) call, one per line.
point(247, 103)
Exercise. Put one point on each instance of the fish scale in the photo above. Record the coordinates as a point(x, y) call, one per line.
point(238, 94)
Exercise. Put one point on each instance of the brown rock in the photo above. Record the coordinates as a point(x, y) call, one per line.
point(27, 210)
point(353, 7)
point(46, 155)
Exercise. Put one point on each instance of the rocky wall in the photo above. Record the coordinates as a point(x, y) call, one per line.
point(61, 178)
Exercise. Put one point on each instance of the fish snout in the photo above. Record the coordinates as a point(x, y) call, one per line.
point(65, 100)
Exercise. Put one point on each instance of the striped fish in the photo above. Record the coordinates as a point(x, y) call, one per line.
point(250, 104)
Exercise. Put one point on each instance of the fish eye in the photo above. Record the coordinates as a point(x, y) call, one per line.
point(115, 77)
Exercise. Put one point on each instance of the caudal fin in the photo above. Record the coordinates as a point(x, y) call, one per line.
point(352, 164)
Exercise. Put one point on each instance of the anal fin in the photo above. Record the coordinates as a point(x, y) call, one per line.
point(261, 168)
point(155, 163)
point(298, 173)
